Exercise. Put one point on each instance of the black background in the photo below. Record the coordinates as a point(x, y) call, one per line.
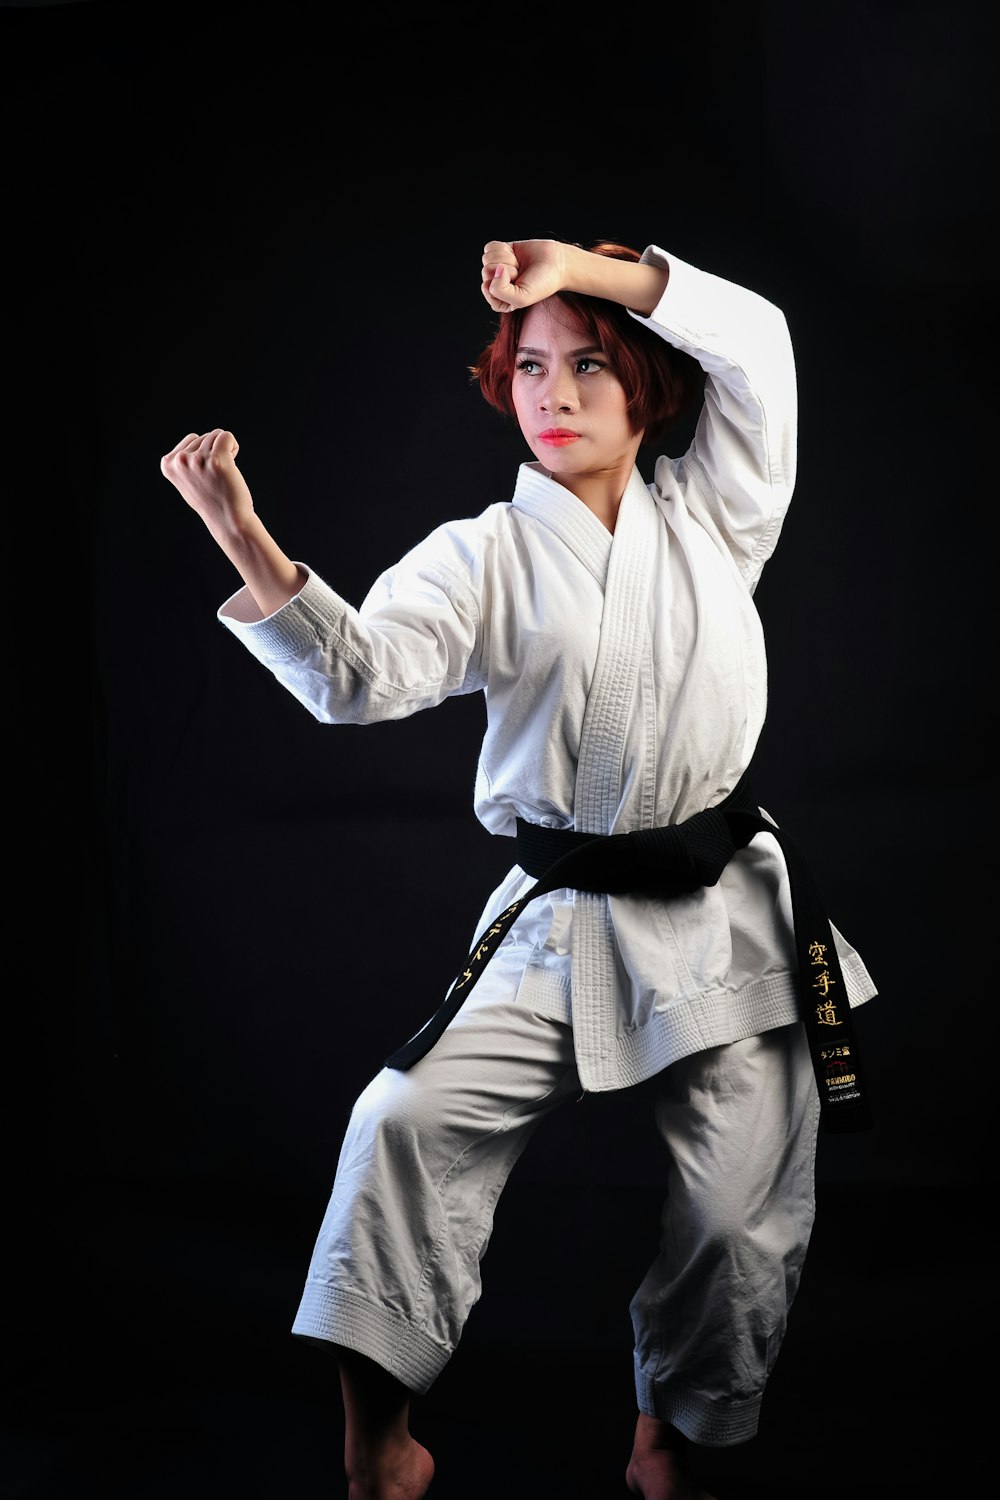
point(272, 220)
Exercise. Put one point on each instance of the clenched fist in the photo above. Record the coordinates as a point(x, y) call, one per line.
point(203, 469)
point(517, 273)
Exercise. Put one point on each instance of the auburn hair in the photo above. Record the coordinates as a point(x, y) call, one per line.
point(660, 382)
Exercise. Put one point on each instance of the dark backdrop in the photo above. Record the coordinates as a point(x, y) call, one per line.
point(272, 220)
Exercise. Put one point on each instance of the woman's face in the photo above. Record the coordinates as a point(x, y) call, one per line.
point(570, 407)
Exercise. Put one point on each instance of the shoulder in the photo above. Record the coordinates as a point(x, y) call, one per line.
point(464, 540)
point(457, 555)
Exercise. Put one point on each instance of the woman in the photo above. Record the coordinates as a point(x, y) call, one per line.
point(610, 625)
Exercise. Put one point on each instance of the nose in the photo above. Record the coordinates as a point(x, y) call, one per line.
point(559, 393)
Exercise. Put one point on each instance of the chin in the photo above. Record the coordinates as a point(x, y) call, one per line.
point(558, 461)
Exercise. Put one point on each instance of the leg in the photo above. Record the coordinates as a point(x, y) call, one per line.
point(659, 1468)
point(381, 1458)
point(395, 1270)
point(740, 1124)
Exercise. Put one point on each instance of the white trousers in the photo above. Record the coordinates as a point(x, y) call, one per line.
point(396, 1267)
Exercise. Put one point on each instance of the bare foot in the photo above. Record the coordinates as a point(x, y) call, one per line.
point(403, 1473)
point(658, 1468)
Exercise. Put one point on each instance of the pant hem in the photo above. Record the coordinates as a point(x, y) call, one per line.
point(715, 1424)
point(340, 1317)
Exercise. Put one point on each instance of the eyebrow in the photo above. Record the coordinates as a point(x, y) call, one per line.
point(574, 353)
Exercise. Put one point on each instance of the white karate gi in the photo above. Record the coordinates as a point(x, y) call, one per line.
point(625, 684)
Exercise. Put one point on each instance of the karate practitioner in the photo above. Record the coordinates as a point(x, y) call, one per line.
point(610, 624)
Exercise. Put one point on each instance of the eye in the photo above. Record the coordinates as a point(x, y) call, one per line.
point(527, 365)
point(594, 365)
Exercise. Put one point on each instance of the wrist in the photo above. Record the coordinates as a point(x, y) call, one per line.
point(580, 270)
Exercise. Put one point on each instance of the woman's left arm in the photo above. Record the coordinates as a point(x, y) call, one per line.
point(739, 471)
point(518, 273)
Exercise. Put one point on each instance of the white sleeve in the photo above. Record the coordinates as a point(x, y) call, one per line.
point(739, 472)
point(414, 641)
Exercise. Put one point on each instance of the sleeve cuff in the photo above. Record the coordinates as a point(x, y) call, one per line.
point(294, 627)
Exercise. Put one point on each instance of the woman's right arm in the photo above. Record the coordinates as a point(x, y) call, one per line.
point(414, 641)
point(203, 469)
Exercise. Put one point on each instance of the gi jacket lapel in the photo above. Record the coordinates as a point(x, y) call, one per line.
point(559, 509)
point(623, 656)
point(623, 644)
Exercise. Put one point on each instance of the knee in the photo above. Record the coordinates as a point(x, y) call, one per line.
point(718, 1229)
point(759, 1243)
point(391, 1111)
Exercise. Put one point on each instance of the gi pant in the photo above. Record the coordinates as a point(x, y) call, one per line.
point(396, 1266)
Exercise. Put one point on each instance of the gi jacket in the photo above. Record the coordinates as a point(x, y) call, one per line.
point(625, 683)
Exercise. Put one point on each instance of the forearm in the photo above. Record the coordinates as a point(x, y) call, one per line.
point(271, 577)
point(637, 287)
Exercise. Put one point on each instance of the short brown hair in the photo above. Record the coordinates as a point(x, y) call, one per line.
point(659, 381)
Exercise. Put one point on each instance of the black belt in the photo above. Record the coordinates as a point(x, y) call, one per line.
point(670, 861)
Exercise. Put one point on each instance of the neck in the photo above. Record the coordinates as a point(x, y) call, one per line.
point(601, 492)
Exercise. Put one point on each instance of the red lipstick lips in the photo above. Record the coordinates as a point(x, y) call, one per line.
point(558, 437)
